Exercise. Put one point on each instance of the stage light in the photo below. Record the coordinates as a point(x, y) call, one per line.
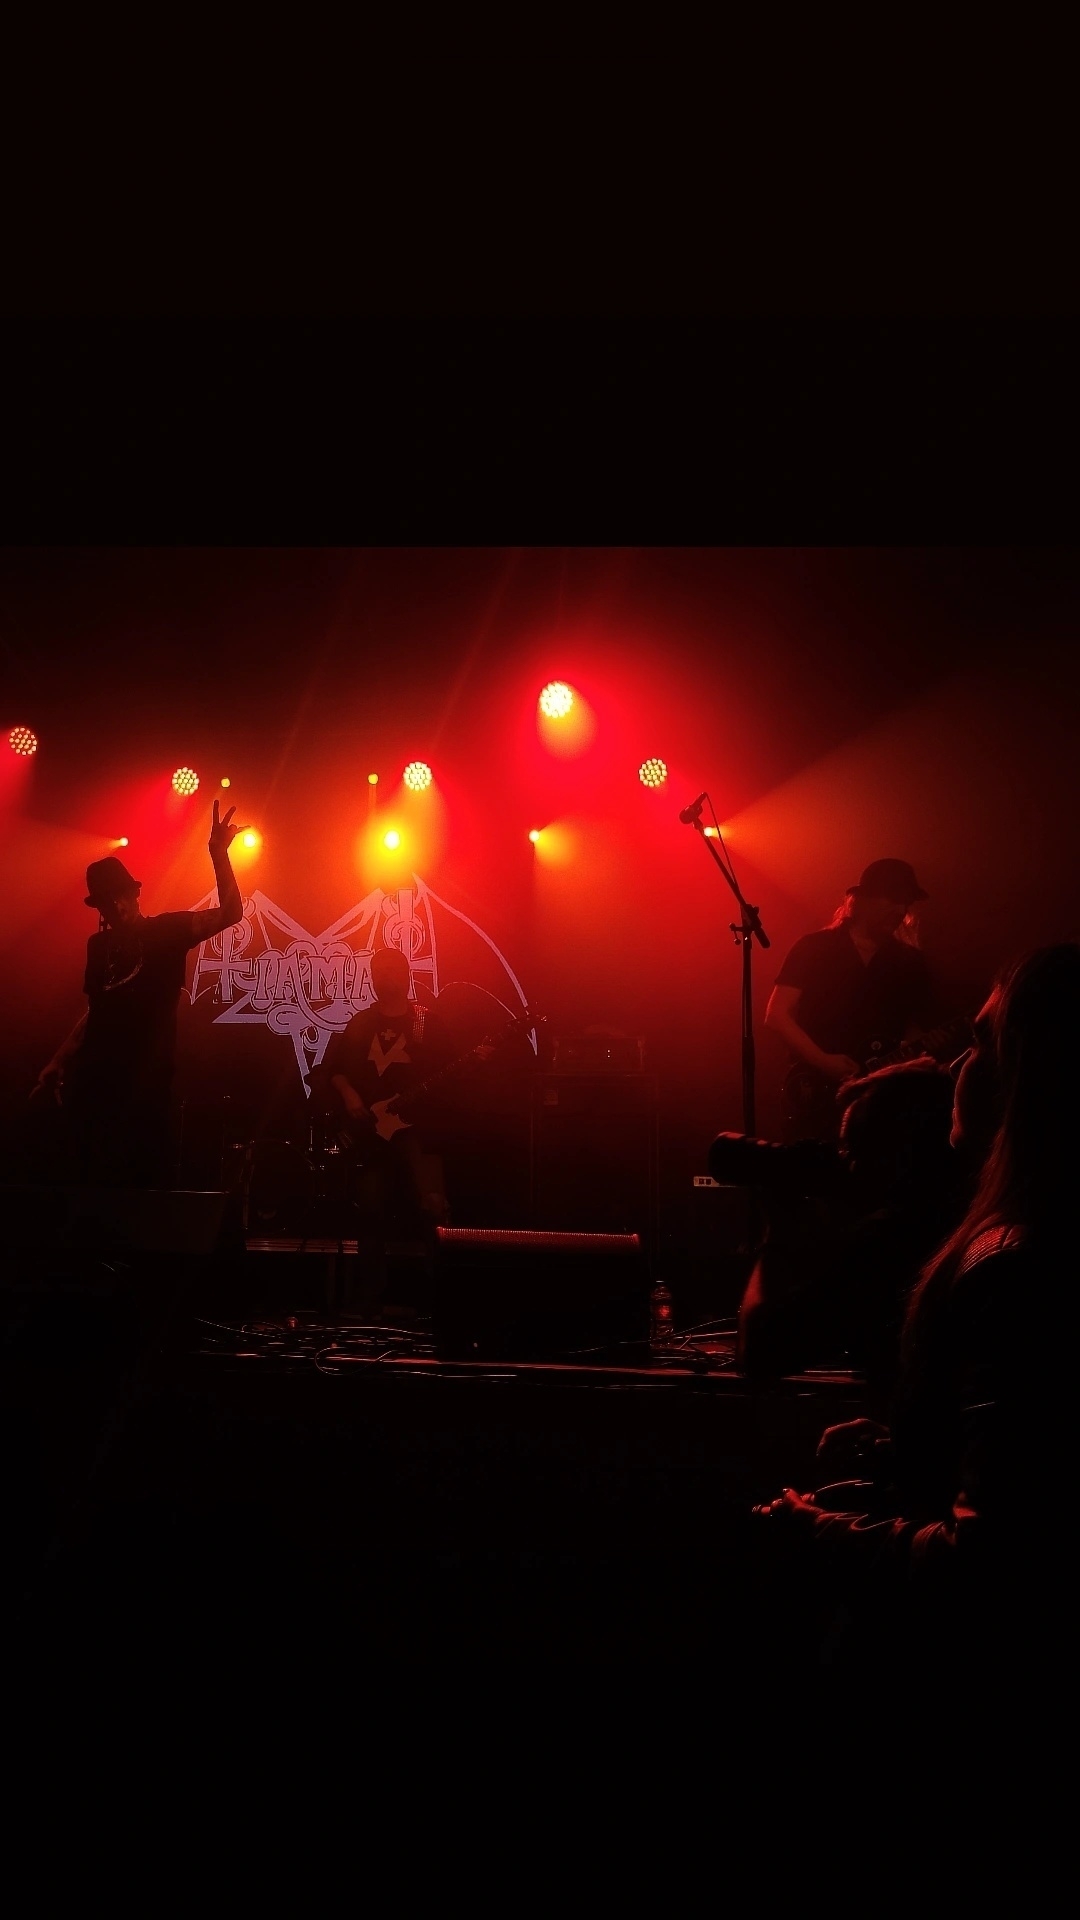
point(245, 847)
point(392, 839)
point(417, 776)
point(556, 699)
point(711, 833)
point(652, 773)
point(22, 741)
point(226, 782)
point(534, 834)
point(123, 840)
point(185, 781)
point(373, 779)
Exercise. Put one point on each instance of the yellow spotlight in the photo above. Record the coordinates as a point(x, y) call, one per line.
point(556, 699)
point(246, 845)
point(373, 779)
point(226, 782)
point(392, 839)
point(556, 845)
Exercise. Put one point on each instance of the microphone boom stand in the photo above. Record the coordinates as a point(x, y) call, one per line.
point(746, 930)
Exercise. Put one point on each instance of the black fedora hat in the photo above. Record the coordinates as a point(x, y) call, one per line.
point(106, 880)
point(890, 880)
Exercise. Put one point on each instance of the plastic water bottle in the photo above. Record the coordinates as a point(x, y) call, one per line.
point(661, 1315)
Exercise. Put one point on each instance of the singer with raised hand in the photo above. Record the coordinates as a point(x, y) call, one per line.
point(850, 994)
point(114, 1072)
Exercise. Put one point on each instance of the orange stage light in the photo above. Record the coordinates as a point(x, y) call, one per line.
point(185, 781)
point(417, 776)
point(556, 845)
point(226, 782)
point(246, 845)
point(392, 839)
point(373, 779)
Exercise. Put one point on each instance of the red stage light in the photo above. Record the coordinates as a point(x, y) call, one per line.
point(652, 773)
point(185, 780)
point(556, 699)
point(417, 776)
point(21, 740)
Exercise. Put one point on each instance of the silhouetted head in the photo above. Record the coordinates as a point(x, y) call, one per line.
point(1034, 1016)
point(112, 890)
point(894, 1133)
point(390, 976)
point(882, 901)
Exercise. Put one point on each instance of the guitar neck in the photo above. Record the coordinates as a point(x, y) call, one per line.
point(455, 1066)
point(939, 1043)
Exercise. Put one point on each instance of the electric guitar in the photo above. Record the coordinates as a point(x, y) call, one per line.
point(808, 1097)
point(384, 1118)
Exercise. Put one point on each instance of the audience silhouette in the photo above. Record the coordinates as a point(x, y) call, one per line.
point(832, 1275)
point(936, 1556)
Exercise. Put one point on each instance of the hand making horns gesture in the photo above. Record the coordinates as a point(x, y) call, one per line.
point(222, 833)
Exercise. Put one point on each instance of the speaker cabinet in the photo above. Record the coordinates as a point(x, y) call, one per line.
point(595, 1154)
point(509, 1294)
point(117, 1220)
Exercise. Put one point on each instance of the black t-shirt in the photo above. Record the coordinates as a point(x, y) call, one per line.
point(132, 982)
point(384, 1054)
point(855, 1006)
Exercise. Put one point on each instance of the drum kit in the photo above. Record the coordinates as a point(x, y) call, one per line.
point(294, 1189)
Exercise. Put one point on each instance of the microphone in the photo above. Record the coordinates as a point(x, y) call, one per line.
point(690, 814)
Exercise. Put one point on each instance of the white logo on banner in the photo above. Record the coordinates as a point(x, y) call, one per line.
point(269, 970)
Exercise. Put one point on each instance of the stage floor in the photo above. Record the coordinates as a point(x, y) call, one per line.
point(184, 1459)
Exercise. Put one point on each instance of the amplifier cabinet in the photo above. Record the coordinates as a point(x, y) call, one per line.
point(594, 1154)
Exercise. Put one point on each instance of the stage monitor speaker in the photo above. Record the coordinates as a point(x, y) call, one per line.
point(510, 1294)
point(115, 1220)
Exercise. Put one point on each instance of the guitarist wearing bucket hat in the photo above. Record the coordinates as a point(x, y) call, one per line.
point(851, 996)
point(114, 1071)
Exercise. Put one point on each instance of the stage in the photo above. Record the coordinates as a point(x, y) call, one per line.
point(203, 1450)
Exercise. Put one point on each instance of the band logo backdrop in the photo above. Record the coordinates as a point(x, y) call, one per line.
point(271, 974)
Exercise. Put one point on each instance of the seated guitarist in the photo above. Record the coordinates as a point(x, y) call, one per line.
point(849, 995)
